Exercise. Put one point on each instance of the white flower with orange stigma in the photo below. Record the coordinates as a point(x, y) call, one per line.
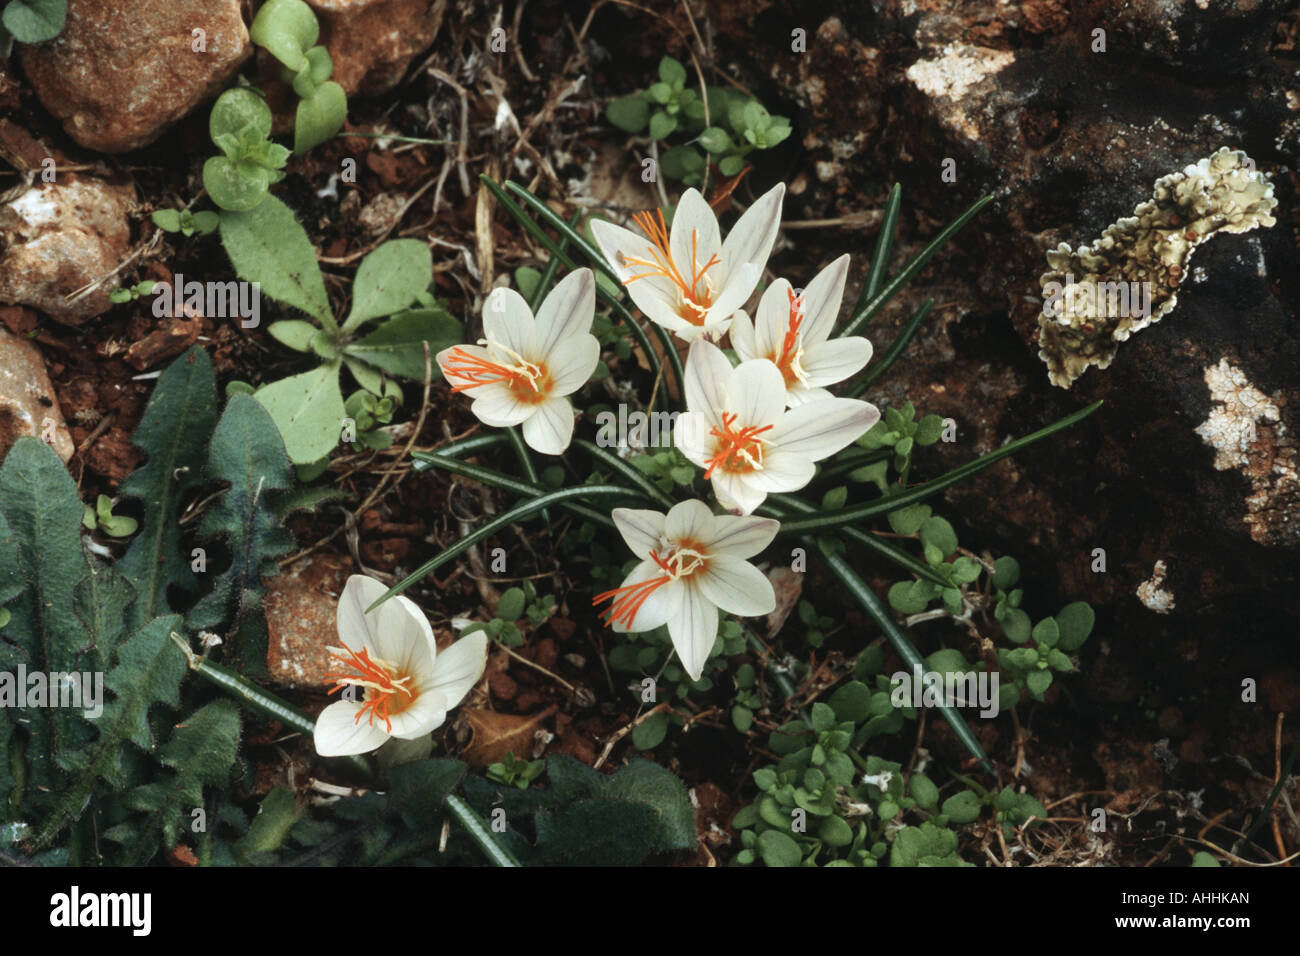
point(739, 431)
point(403, 687)
point(688, 280)
point(793, 332)
point(693, 564)
point(520, 373)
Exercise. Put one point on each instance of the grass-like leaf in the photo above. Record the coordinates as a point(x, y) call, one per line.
point(880, 254)
point(836, 520)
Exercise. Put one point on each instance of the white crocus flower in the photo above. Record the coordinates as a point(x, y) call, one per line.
point(689, 280)
point(403, 686)
point(522, 370)
point(739, 431)
point(793, 332)
point(693, 563)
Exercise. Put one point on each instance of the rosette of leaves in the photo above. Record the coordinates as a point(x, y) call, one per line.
point(667, 107)
point(31, 21)
point(369, 412)
point(240, 124)
point(288, 30)
point(100, 516)
point(267, 245)
point(185, 222)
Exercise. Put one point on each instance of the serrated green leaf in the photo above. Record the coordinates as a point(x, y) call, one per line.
point(173, 432)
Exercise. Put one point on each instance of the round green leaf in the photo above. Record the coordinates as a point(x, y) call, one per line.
point(35, 21)
point(962, 807)
point(650, 733)
point(168, 220)
point(319, 116)
point(777, 849)
point(629, 113)
point(229, 188)
point(1075, 622)
point(672, 72)
point(237, 108)
point(511, 605)
point(287, 29)
point(661, 125)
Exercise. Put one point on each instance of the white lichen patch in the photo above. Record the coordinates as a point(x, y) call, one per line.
point(1246, 431)
point(1151, 594)
point(957, 69)
point(1098, 295)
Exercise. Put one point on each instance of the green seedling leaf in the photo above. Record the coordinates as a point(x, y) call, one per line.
point(630, 114)
point(651, 732)
point(672, 72)
point(662, 125)
point(319, 117)
point(389, 279)
point(777, 849)
point(1075, 622)
point(235, 186)
point(715, 140)
point(35, 21)
point(287, 29)
point(237, 109)
point(168, 220)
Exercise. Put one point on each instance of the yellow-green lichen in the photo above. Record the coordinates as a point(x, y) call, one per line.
point(1098, 295)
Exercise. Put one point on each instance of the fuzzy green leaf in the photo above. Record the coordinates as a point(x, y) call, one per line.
point(630, 113)
point(319, 117)
point(287, 29)
point(267, 245)
point(308, 411)
point(389, 279)
point(35, 21)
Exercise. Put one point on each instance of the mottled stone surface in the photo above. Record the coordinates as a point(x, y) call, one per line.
point(27, 401)
point(58, 237)
point(122, 72)
point(302, 619)
point(372, 42)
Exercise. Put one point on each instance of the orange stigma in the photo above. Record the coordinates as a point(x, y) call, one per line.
point(695, 304)
point(629, 598)
point(383, 687)
point(788, 358)
point(528, 381)
point(738, 449)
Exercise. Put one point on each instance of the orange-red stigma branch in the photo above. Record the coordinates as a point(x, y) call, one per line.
point(790, 345)
point(661, 263)
point(370, 674)
point(733, 443)
point(629, 598)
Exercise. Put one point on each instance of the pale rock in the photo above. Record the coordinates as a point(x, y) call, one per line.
point(27, 402)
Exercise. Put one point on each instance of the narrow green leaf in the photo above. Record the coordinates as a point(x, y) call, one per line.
point(880, 254)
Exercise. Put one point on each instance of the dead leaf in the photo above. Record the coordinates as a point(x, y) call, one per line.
point(494, 734)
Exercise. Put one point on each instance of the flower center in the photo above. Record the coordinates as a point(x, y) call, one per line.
point(788, 359)
point(681, 562)
point(695, 301)
point(529, 382)
point(387, 693)
point(738, 449)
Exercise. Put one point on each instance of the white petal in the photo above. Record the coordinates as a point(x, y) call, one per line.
point(736, 492)
point(821, 301)
point(640, 528)
point(736, 537)
point(567, 310)
point(550, 429)
point(757, 394)
point(658, 297)
point(800, 394)
point(772, 319)
point(825, 363)
point(508, 321)
point(497, 406)
point(751, 239)
point(457, 669)
point(338, 734)
point(707, 372)
point(743, 338)
point(694, 629)
point(692, 438)
point(740, 286)
point(818, 429)
point(693, 217)
point(423, 716)
point(782, 471)
point(354, 626)
point(736, 586)
point(571, 362)
point(689, 520)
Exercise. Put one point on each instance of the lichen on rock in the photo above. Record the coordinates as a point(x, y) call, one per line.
point(1246, 431)
point(1152, 593)
point(1098, 295)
